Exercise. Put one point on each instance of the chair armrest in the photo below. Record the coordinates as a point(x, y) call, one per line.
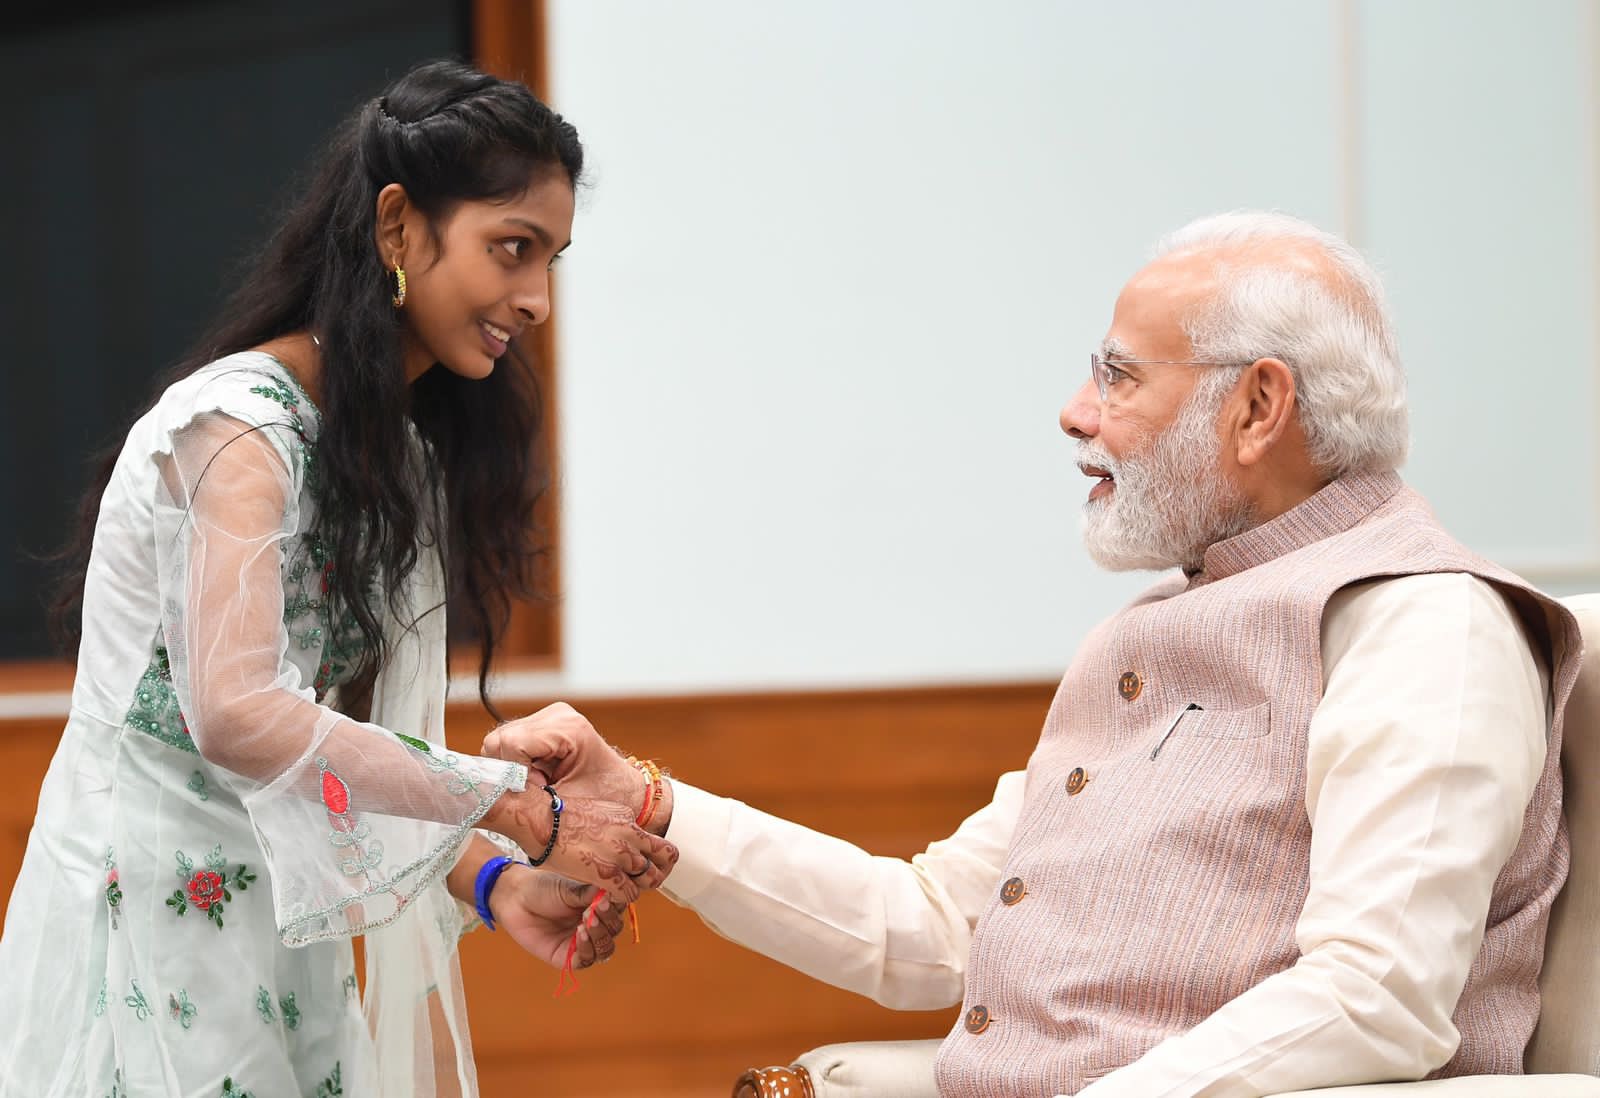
point(774, 1082)
point(1468, 1086)
point(855, 1069)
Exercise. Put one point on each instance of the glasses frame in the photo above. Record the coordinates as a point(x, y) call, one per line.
point(1098, 364)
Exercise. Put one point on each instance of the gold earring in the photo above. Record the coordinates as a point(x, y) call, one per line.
point(399, 295)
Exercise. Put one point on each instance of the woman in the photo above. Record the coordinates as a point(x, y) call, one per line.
point(251, 762)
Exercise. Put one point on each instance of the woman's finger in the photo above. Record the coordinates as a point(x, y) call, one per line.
point(609, 915)
point(585, 955)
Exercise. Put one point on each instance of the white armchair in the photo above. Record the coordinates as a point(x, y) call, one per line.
point(1563, 1059)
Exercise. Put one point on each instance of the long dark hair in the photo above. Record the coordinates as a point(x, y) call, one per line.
point(447, 133)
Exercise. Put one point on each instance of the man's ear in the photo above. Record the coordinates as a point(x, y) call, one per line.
point(393, 211)
point(1269, 410)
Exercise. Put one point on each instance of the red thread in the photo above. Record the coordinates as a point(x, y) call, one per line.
point(567, 982)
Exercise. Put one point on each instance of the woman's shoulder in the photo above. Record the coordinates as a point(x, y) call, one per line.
point(250, 387)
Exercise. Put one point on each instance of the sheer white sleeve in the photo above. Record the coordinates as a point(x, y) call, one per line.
point(354, 819)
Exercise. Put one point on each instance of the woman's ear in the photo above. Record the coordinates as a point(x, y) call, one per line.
point(393, 211)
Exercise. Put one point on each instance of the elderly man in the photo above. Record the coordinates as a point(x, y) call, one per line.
point(1294, 818)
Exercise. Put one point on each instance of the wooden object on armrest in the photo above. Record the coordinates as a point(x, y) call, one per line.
point(793, 1081)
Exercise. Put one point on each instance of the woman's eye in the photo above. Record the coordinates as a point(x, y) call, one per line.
point(553, 261)
point(515, 246)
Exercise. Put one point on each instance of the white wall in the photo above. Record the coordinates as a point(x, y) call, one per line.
point(842, 261)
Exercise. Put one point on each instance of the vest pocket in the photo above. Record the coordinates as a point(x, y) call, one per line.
point(1228, 724)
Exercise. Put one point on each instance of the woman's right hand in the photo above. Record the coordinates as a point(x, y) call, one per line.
point(598, 843)
point(561, 748)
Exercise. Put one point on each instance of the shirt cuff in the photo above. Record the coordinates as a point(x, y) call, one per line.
point(699, 829)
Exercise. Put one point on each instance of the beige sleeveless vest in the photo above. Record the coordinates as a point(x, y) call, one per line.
point(1156, 890)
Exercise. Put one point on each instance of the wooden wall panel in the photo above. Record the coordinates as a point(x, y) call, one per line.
point(685, 1011)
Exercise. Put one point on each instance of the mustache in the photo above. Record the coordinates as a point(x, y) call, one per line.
point(1092, 454)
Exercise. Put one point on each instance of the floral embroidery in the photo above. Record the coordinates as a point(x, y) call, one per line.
point(181, 1008)
point(281, 394)
point(331, 1087)
point(231, 1091)
point(100, 1003)
point(308, 576)
point(197, 786)
point(440, 763)
point(289, 400)
point(155, 705)
point(264, 1006)
point(308, 616)
point(141, 1008)
point(116, 1085)
point(208, 889)
point(113, 887)
point(347, 831)
point(291, 1013)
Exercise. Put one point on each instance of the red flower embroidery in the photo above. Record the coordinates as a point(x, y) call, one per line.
point(335, 794)
point(205, 889)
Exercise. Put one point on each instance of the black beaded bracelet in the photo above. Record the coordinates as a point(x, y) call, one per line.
point(555, 826)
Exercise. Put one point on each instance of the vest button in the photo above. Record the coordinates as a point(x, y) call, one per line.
point(1076, 781)
point(1130, 686)
point(1012, 891)
point(977, 1019)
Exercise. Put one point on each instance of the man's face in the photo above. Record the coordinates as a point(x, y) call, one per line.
point(1161, 496)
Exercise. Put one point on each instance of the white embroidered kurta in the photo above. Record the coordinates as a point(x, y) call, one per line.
point(206, 812)
point(1442, 652)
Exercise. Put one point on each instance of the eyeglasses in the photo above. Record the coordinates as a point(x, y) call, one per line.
point(1100, 369)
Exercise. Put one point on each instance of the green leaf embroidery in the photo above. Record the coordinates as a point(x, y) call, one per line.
point(264, 1006)
point(291, 1013)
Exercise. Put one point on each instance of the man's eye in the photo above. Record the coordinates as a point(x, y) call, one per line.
point(1115, 373)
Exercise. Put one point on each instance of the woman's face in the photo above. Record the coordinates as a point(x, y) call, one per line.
point(488, 278)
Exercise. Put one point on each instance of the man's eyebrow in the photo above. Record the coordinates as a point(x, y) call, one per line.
point(1114, 348)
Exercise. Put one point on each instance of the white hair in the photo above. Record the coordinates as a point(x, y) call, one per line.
point(1334, 334)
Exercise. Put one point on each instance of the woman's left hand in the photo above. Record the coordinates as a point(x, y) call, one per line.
point(541, 911)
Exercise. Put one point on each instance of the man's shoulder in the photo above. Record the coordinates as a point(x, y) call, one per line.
point(1445, 603)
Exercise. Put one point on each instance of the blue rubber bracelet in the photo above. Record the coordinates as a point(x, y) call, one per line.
point(487, 876)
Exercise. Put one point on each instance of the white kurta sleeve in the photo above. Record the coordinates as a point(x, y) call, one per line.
point(353, 820)
point(1423, 757)
point(895, 931)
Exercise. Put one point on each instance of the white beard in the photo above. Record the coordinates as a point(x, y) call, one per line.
point(1171, 501)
